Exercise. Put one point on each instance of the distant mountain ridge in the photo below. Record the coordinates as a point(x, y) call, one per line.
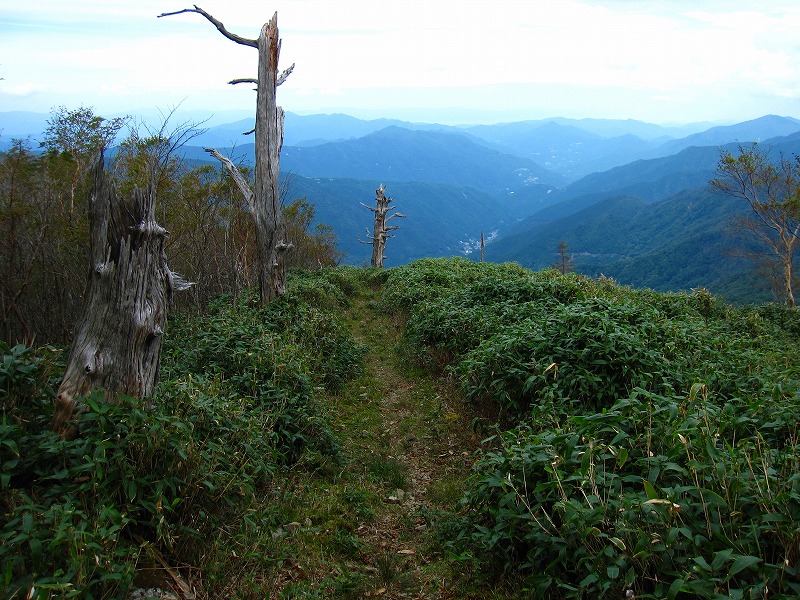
point(755, 130)
point(678, 243)
point(441, 220)
point(631, 199)
point(399, 154)
point(652, 223)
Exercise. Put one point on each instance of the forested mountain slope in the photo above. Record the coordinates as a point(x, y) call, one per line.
point(509, 180)
point(755, 130)
point(679, 243)
point(398, 154)
point(441, 220)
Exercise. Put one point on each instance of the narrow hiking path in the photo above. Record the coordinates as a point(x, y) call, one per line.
point(420, 426)
point(364, 531)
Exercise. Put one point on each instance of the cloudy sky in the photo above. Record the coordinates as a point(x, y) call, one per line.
point(451, 61)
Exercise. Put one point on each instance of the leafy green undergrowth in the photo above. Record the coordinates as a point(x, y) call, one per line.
point(646, 444)
point(649, 442)
point(184, 473)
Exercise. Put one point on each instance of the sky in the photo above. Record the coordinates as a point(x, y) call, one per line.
point(446, 61)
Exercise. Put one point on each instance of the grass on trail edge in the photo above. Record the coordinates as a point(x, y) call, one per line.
point(362, 529)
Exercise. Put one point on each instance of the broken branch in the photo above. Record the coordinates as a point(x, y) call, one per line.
point(241, 182)
point(284, 75)
point(218, 24)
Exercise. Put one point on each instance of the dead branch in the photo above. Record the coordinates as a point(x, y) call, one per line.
point(218, 24)
point(284, 75)
point(241, 182)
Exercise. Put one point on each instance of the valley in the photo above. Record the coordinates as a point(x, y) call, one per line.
point(631, 200)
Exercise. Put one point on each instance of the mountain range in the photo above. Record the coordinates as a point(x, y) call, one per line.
point(630, 199)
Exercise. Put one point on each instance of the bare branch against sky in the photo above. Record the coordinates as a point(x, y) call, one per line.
point(656, 60)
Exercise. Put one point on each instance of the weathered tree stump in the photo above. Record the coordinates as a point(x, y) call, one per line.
point(117, 344)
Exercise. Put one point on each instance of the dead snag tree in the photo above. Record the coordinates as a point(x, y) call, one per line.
point(381, 228)
point(564, 263)
point(117, 343)
point(263, 202)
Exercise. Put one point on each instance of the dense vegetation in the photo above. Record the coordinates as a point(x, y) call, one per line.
point(634, 441)
point(44, 224)
point(185, 472)
point(649, 441)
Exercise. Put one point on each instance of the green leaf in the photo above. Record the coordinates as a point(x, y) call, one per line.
point(36, 551)
point(741, 563)
point(702, 563)
point(622, 456)
point(711, 497)
point(674, 589)
point(720, 558)
point(617, 542)
point(650, 490)
point(774, 518)
point(27, 522)
point(131, 489)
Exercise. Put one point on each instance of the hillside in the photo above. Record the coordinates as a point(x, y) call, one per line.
point(653, 179)
point(756, 130)
point(423, 232)
point(508, 180)
point(310, 130)
point(398, 154)
point(376, 434)
point(679, 243)
point(682, 241)
point(565, 149)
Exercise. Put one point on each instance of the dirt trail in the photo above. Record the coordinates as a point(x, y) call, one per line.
point(421, 444)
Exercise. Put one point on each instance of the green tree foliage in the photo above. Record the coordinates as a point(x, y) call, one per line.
point(772, 189)
point(80, 135)
point(149, 157)
point(314, 243)
point(42, 245)
point(44, 222)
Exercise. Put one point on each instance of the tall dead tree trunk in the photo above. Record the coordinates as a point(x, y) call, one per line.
point(263, 202)
point(117, 345)
point(381, 228)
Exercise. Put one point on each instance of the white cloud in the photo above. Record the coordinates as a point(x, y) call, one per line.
point(704, 51)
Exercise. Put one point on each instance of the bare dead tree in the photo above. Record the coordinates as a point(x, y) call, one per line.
point(483, 247)
point(381, 227)
point(117, 344)
point(564, 263)
point(263, 202)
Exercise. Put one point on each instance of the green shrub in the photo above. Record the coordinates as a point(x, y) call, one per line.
point(658, 495)
point(236, 403)
point(159, 472)
point(589, 353)
point(653, 443)
point(274, 355)
point(418, 283)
